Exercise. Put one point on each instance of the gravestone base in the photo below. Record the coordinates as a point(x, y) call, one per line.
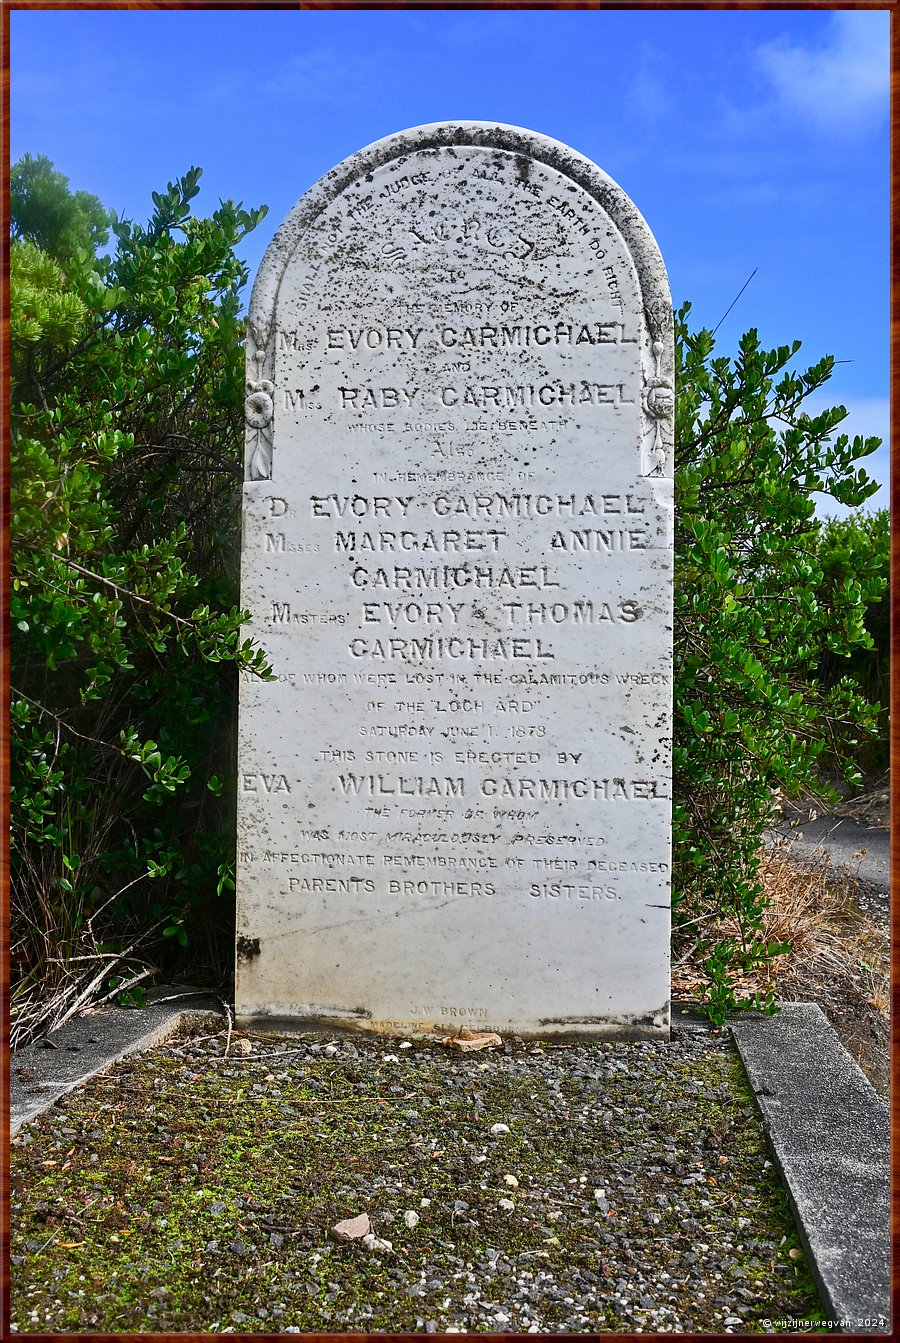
point(657, 1028)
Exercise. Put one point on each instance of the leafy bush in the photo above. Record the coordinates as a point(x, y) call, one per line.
point(754, 619)
point(126, 410)
point(847, 547)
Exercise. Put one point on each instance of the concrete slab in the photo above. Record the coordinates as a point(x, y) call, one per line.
point(830, 1135)
point(42, 1072)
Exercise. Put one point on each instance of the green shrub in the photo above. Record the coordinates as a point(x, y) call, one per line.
point(754, 619)
point(127, 427)
point(848, 546)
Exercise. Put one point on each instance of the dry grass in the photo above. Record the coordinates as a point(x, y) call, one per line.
point(838, 958)
point(61, 962)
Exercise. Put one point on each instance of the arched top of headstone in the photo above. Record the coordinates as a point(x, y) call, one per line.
point(516, 140)
point(370, 227)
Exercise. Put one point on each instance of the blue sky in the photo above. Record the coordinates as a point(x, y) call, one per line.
point(748, 139)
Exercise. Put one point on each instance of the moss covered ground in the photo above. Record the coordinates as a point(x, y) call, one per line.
point(184, 1191)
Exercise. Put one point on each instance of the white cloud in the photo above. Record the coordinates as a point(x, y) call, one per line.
point(842, 85)
point(648, 92)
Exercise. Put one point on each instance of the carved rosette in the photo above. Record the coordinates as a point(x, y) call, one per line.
point(259, 408)
point(658, 395)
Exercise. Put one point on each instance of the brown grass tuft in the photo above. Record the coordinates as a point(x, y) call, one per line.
point(838, 957)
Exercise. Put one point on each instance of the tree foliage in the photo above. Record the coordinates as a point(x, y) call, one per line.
point(44, 212)
point(126, 416)
point(754, 618)
point(847, 547)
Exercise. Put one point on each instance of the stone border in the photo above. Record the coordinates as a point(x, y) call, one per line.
point(829, 1132)
point(42, 1072)
point(828, 1129)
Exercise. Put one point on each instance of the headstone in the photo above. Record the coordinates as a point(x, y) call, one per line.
point(455, 799)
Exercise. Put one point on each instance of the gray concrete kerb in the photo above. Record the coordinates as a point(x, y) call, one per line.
point(43, 1072)
point(829, 1131)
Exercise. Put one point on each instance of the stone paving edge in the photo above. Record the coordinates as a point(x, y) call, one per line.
point(42, 1072)
point(829, 1132)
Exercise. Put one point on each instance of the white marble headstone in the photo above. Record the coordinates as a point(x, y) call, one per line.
point(454, 804)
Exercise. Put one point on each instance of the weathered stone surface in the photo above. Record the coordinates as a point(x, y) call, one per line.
point(830, 1134)
point(470, 1041)
point(455, 801)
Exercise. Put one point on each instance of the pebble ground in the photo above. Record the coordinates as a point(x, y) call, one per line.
point(534, 1189)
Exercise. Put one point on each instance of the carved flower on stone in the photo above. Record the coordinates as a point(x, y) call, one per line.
point(659, 317)
point(659, 399)
point(659, 404)
point(259, 407)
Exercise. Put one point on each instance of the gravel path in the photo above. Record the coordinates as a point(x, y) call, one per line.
point(534, 1189)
